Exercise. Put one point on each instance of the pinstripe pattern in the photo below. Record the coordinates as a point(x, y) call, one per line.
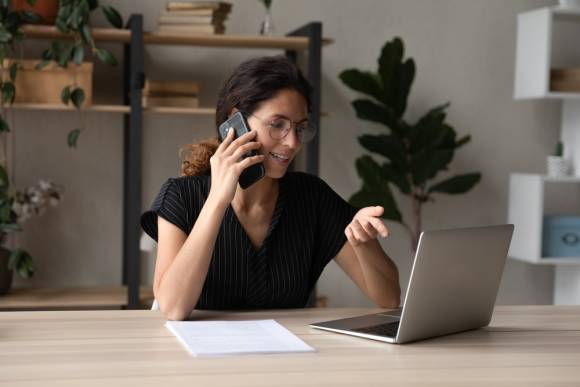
point(305, 233)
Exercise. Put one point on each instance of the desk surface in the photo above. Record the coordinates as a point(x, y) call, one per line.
point(524, 345)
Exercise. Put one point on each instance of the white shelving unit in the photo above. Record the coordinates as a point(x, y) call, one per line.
point(547, 39)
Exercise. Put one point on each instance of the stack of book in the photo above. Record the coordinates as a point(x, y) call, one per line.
point(170, 94)
point(565, 80)
point(195, 17)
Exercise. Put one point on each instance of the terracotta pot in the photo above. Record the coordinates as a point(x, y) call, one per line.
point(46, 9)
point(5, 274)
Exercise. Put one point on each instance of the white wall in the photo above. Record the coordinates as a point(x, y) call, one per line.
point(464, 51)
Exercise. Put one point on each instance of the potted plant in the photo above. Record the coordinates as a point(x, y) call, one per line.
point(15, 206)
point(74, 18)
point(414, 153)
point(557, 165)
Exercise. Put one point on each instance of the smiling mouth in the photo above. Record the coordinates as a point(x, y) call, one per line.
point(279, 156)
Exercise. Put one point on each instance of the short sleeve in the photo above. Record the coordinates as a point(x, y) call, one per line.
point(170, 205)
point(333, 215)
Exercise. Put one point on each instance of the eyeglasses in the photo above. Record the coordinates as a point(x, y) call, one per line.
point(280, 127)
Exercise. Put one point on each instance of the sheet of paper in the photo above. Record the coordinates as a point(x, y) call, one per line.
point(211, 338)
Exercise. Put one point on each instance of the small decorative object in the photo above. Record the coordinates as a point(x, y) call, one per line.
point(267, 26)
point(414, 153)
point(557, 165)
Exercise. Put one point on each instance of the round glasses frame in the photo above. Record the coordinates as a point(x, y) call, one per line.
point(305, 131)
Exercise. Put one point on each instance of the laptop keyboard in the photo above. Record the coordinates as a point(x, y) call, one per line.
point(387, 329)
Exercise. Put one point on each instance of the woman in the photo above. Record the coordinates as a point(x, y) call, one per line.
point(224, 247)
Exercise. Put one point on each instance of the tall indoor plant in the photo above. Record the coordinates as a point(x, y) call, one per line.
point(413, 154)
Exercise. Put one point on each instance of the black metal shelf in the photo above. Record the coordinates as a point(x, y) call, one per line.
point(307, 39)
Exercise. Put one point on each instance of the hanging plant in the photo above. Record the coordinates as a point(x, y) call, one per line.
point(73, 18)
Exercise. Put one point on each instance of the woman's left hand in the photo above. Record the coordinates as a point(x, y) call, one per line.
point(366, 225)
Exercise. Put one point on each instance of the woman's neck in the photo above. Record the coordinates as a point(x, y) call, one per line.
point(259, 194)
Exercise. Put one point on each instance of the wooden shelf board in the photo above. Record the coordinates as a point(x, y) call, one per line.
point(95, 296)
point(122, 109)
point(170, 38)
point(91, 108)
point(99, 34)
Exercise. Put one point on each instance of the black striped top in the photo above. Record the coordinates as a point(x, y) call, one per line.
point(305, 233)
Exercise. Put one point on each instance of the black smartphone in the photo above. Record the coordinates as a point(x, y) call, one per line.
point(254, 172)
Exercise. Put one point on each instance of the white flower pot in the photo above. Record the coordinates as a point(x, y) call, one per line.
point(558, 166)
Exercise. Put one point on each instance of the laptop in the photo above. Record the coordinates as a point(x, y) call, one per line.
point(453, 286)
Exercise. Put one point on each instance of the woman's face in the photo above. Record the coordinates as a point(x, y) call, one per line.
point(288, 104)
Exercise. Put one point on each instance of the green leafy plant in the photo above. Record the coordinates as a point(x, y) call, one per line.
point(74, 18)
point(414, 154)
point(10, 35)
point(559, 149)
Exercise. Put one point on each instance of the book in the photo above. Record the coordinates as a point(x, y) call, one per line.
point(171, 88)
point(192, 29)
point(169, 101)
point(179, 19)
point(190, 5)
point(195, 12)
point(215, 338)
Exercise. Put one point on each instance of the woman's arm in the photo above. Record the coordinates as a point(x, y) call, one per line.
point(365, 262)
point(372, 271)
point(183, 261)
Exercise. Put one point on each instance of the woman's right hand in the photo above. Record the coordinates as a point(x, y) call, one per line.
point(227, 164)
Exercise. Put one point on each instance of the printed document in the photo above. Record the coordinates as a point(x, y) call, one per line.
point(211, 338)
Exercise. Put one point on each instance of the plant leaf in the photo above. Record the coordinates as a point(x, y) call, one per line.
point(396, 76)
point(42, 64)
point(9, 227)
point(5, 36)
point(13, 71)
point(8, 92)
point(375, 190)
point(79, 54)
point(87, 35)
point(4, 127)
point(21, 262)
point(363, 82)
point(397, 177)
point(457, 184)
point(106, 57)
point(388, 146)
point(370, 111)
point(429, 130)
point(65, 55)
point(113, 16)
point(65, 95)
point(77, 96)
point(72, 138)
point(30, 17)
point(427, 163)
point(4, 182)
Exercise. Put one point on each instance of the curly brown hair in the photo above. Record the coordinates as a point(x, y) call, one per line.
point(251, 83)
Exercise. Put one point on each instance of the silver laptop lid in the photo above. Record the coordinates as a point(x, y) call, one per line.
point(454, 281)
